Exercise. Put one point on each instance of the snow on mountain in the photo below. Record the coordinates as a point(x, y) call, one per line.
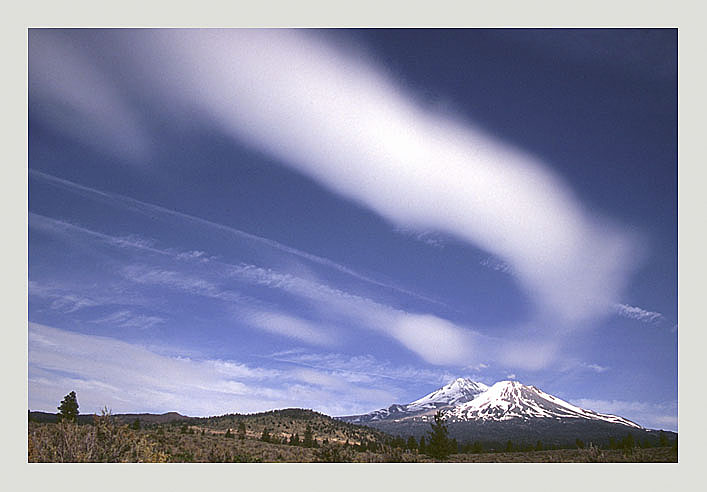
point(459, 391)
point(464, 400)
point(508, 400)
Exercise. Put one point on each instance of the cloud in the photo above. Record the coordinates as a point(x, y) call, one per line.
point(192, 284)
point(434, 339)
point(95, 367)
point(60, 300)
point(637, 313)
point(652, 415)
point(293, 327)
point(336, 117)
point(595, 367)
point(152, 210)
point(364, 368)
point(80, 100)
point(496, 264)
point(328, 310)
point(128, 319)
point(340, 120)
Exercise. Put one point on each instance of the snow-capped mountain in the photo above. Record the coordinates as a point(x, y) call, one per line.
point(457, 392)
point(464, 400)
point(508, 400)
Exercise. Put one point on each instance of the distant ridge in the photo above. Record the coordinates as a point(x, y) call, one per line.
point(148, 418)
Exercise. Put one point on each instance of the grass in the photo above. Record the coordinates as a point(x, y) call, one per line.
point(107, 441)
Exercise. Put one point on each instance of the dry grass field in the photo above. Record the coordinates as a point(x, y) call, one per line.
point(108, 441)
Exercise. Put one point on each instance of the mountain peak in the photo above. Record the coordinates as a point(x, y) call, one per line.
point(464, 399)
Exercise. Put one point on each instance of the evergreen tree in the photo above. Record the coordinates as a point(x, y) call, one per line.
point(629, 443)
point(307, 442)
point(579, 443)
point(228, 433)
point(294, 440)
point(241, 430)
point(412, 443)
point(509, 446)
point(423, 446)
point(265, 436)
point(69, 408)
point(135, 425)
point(662, 439)
point(440, 446)
point(539, 446)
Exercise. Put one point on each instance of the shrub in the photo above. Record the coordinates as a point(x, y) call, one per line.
point(104, 441)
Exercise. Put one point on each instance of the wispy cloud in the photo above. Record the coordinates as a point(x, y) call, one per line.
point(595, 367)
point(151, 210)
point(293, 327)
point(661, 415)
point(92, 107)
point(129, 319)
point(496, 264)
point(434, 339)
point(95, 367)
point(428, 237)
point(338, 118)
point(60, 299)
point(637, 313)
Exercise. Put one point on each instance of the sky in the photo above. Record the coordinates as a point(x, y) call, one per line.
point(229, 221)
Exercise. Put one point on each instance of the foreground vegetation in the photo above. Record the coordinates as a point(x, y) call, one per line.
point(104, 440)
point(290, 435)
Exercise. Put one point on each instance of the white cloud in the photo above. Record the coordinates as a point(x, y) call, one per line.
point(364, 368)
point(293, 327)
point(595, 367)
point(192, 284)
point(341, 121)
point(128, 377)
point(510, 376)
point(338, 118)
point(435, 339)
point(496, 264)
point(661, 415)
point(637, 313)
point(151, 210)
point(128, 319)
point(80, 100)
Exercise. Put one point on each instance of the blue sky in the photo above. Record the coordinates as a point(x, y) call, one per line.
point(235, 221)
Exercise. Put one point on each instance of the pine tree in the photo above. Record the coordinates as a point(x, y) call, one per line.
point(307, 443)
point(423, 446)
point(440, 446)
point(135, 425)
point(69, 408)
point(228, 433)
point(412, 443)
point(265, 436)
point(241, 430)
